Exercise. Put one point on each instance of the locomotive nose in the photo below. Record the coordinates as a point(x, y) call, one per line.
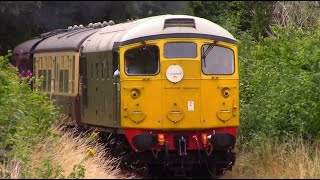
point(144, 141)
point(222, 141)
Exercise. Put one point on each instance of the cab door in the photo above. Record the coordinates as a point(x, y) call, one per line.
point(140, 87)
point(220, 85)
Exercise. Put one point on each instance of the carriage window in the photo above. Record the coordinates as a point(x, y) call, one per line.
point(60, 80)
point(43, 85)
point(66, 80)
point(180, 50)
point(142, 60)
point(217, 60)
point(49, 80)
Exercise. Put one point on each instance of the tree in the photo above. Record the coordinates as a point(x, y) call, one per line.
point(297, 13)
point(21, 20)
point(236, 16)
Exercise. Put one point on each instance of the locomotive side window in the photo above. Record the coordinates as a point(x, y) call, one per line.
point(107, 68)
point(91, 71)
point(142, 60)
point(103, 66)
point(217, 60)
point(180, 50)
point(97, 71)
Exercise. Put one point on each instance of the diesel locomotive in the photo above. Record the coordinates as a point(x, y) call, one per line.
point(167, 85)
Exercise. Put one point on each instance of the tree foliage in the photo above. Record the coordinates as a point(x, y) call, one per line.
point(280, 77)
point(237, 16)
point(304, 14)
point(21, 20)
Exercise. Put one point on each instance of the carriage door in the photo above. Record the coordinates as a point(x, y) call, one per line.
point(83, 86)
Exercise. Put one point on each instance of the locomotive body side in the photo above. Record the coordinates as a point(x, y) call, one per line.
point(98, 94)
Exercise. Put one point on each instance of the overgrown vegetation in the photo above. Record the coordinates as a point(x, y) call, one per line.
point(25, 116)
point(280, 78)
point(290, 159)
point(73, 157)
point(29, 146)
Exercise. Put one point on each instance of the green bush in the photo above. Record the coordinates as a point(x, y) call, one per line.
point(279, 85)
point(26, 117)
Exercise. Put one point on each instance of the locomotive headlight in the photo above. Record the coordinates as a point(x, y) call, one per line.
point(135, 93)
point(225, 92)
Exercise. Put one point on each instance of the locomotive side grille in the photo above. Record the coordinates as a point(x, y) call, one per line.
point(179, 22)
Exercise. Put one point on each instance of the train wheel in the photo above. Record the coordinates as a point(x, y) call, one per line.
point(156, 171)
point(220, 162)
point(215, 170)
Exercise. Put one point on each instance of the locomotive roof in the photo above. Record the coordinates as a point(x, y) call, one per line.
point(70, 40)
point(157, 27)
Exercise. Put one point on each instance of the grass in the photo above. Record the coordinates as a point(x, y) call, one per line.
point(67, 151)
point(294, 159)
point(278, 160)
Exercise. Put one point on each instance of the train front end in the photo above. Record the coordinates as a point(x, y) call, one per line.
point(180, 99)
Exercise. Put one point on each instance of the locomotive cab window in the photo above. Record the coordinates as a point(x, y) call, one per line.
point(217, 60)
point(142, 60)
point(180, 50)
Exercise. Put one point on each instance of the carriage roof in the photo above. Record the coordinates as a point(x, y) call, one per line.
point(70, 40)
point(26, 47)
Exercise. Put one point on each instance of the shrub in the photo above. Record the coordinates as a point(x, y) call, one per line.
point(26, 117)
point(279, 84)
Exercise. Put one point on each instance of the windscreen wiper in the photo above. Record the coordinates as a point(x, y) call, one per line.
point(207, 51)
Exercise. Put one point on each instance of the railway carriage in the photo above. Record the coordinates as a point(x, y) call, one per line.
point(168, 84)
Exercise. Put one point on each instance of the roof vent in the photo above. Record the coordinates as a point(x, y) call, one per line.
point(105, 23)
point(75, 27)
point(111, 23)
point(179, 22)
point(99, 25)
